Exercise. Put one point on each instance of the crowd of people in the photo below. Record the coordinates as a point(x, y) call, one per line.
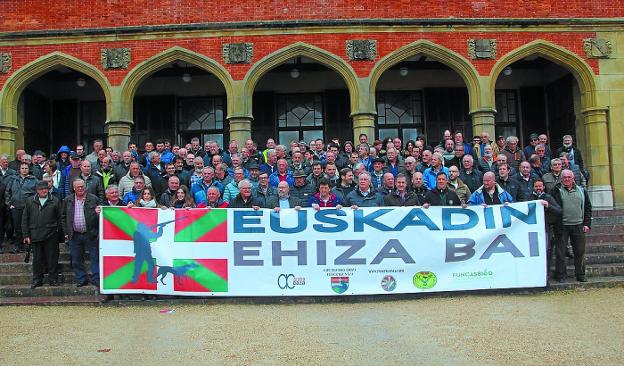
point(57, 198)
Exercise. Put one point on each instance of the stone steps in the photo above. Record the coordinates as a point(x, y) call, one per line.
point(25, 278)
point(63, 290)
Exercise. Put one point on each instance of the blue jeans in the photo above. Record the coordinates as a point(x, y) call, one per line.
point(77, 245)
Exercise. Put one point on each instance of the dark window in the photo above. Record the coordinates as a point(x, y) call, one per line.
point(400, 114)
point(299, 117)
point(154, 118)
point(92, 121)
point(507, 113)
point(201, 117)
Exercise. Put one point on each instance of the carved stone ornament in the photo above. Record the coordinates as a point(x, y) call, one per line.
point(5, 63)
point(482, 48)
point(237, 53)
point(597, 47)
point(362, 49)
point(115, 58)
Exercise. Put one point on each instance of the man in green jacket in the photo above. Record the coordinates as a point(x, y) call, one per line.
point(40, 226)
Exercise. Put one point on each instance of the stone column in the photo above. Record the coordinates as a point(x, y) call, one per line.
point(119, 133)
point(7, 140)
point(363, 123)
point(240, 129)
point(483, 120)
point(596, 158)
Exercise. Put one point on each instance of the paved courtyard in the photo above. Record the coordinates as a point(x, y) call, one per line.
point(580, 328)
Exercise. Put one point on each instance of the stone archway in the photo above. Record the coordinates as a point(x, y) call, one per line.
point(19, 80)
point(594, 128)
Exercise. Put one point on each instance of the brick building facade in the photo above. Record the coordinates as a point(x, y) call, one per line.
point(136, 70)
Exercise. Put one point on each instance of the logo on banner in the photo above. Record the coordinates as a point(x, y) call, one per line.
point(485, 274)
point(388, 283)
point(289, 281)
point(425, 280)
point(340, 284)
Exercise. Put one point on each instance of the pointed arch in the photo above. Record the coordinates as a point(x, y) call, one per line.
point(299, 49)
point(22, 77)
point(142, 71)
point(441, 54)
point(577, 66)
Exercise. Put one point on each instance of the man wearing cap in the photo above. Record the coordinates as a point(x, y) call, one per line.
point(302, 190)
point(40, 226)
point(254, 172)
point(378, 172)
point(71, 172)
point(530, 148)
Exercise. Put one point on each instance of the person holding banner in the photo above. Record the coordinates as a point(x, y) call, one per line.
point(283, 198)
point(441, 195)
point(490, 193)
point(244, 199)
point(325, 197)
point(364, 195)
point(401, 196)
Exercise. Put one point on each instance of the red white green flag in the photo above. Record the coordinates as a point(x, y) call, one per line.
point(117, 273)
point(201, 225)
point(200, 275)
point(120, 223)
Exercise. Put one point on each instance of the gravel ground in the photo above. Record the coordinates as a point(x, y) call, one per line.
point(579, 328)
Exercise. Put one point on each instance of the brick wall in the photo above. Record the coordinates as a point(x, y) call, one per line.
point(22, 15)
point(264, 45)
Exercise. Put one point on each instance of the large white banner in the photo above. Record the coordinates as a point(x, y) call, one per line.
point(242, 252)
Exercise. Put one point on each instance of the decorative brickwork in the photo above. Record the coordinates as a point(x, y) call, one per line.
point(5, 63)
point(482, 48)
point(362, 50)
point(597, 47)
point(115, 58)
point(237, 53)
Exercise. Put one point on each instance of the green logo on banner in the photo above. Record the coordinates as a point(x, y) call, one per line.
point(425, 280)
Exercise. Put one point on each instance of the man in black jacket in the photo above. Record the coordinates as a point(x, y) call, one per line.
point(40, 226)
point(401, 196)
point(283, 199)
point(510, 184)
point(441, 195)
point(575, 223)
point(244, 198)
point(81, 226)
point(553, 215)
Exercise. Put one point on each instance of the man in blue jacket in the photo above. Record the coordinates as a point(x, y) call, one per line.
point(489, 193)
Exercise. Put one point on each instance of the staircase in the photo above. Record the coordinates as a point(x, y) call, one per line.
point(16, 277)
point(605, 268)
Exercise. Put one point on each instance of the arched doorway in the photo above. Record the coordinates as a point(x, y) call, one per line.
point(536, 95)
point(61, 107)
point(179, 101)
point(301, 99)
point(421, 96)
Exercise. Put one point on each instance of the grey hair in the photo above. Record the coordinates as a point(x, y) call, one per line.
point(243, 182)
point(512, 139)
point(111, 187)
